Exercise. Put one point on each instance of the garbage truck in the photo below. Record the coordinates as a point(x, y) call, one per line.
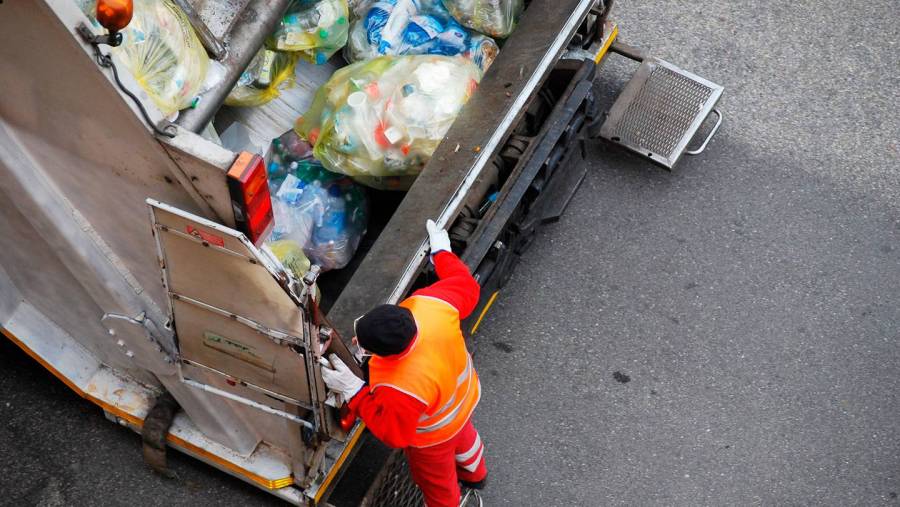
point(134, 266)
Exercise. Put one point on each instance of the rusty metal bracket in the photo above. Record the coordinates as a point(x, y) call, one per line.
point(153, 433)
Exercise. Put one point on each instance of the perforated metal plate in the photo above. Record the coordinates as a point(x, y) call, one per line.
point(660, 110)
point(394, 486)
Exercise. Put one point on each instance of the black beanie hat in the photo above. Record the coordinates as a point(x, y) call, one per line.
point(386, 330)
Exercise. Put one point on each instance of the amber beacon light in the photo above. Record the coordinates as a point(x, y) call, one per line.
point(114, 15)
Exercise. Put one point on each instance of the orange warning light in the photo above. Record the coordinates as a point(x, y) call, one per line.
point(114, 15)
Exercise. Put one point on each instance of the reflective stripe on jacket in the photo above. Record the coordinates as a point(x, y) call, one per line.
point(437, 370)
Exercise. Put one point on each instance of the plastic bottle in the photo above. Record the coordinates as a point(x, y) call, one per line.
point(330, 240)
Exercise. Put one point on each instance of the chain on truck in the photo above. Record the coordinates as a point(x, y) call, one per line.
point(134, 269)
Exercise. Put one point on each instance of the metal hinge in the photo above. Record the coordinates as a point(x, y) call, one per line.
point(150, 330)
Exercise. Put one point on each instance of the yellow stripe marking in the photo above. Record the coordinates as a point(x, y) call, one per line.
point(607, 44)
point(340, 461)
point(139, 423)
point(484, 311)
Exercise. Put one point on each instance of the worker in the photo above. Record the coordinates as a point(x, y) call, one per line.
point(422, 384)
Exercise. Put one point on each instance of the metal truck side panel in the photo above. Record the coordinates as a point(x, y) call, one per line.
point(128, 403)
point(205, 163)
point(10, 297)
point(73, 279)
point(79, 164)
point(70, 362)
point(76, 126)
point(50, 274)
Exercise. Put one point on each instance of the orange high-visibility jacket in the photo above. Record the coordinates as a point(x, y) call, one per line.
point(436, 370)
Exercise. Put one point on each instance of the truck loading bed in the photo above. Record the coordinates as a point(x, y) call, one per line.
point(461, 173)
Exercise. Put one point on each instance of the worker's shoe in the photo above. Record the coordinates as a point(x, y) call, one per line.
point(471, 498)
point(474, 485)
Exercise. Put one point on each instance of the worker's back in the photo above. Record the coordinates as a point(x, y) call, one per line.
point(437, 369)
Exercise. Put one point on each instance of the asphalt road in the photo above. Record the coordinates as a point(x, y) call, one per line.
point(726, 334)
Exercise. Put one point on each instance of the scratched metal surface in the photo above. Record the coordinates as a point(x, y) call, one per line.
point(219, 14)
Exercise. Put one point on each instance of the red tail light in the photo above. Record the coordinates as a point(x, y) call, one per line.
point(348, 418)
point(249, 189)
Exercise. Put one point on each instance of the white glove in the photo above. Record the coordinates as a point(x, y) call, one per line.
point(339, 378)
point(438, 238)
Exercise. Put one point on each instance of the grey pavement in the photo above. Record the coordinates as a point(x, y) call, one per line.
point(726, 334)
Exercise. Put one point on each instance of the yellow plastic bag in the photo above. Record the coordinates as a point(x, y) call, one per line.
point(268, 73)
point(379, 121)
point(314, 28)
point(161, 51)
point(164, 55)
point(497, 18)
point(291, 256)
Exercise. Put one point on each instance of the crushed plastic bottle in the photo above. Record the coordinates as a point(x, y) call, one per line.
point(267, 74)
point(380, 120)
point(316, 29)
point(497, 18)
point(331, 230)
point(324, 213)
point(414, 27)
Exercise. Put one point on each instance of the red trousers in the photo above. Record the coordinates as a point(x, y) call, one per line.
point(437, 469)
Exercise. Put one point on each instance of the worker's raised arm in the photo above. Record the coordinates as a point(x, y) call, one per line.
point(455, 284)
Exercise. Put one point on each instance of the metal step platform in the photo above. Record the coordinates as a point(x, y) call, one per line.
point(394, 487)
point(660, 111)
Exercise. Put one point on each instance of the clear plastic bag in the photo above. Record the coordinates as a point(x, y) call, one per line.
point(268, 73)
point(496, 18)
point(385, 117)
point(324, 213)
point(414, 27)
point(162, 52)
point(315, 28)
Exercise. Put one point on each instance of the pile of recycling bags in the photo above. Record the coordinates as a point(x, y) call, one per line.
point(376, 122)
point(320, 216)
point(414, 64)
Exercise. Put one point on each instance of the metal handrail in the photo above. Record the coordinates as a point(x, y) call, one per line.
point(708, 137)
